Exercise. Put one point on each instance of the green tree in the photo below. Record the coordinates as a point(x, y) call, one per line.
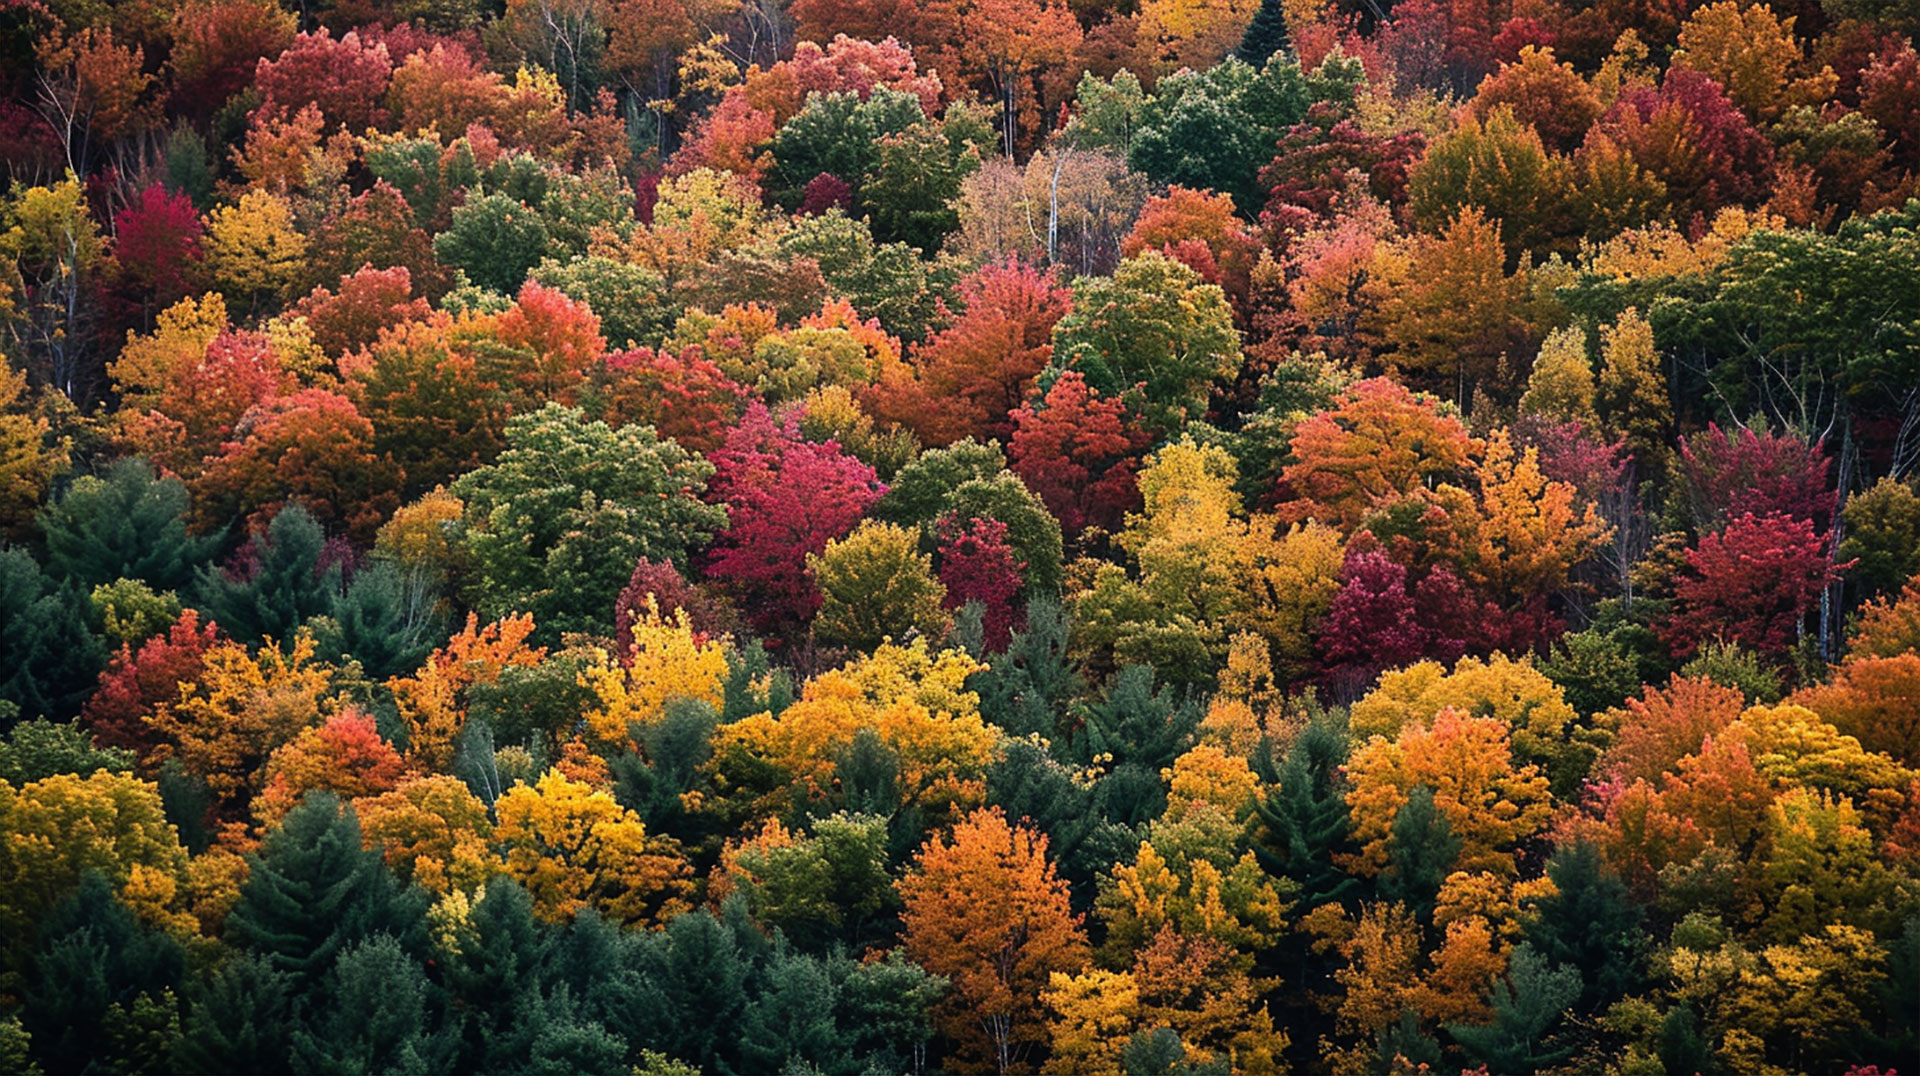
point(1266, 34)
point(1305, 818)
point(556, 523)
point(288, 582)
point(41, 748)
point(1215, 130)
point(888, 281)
point(875, 584)
point(312, 891)
point(790, 1025)
point(48, 658)
point(126, 524)
point(1421, 852)
point(1154, 334)
point(1882, 536)
point(837, 134)
point(911, 191)
point(240, 1019)
point(1526, 1005)
point(1591, 925)
point(376, 1011)
point(495, 240)
point(101, 987)
point(388, 618)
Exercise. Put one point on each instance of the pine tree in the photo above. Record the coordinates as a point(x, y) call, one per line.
point(312, 890)
point(1422, 852)
point(1266, 34)
point(1591, 925)
point(287, 584)
point(99, 982)
point(498, 977)
point(701, 976)
point(239, 1020)
point(790, 1024)
point(1526, 1006)
point(48, 658)
point(126, 524)
point(386, 620)
point(1305, 817)
point(376, 1011)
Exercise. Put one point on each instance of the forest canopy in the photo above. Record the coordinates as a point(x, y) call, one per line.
point(920, 536)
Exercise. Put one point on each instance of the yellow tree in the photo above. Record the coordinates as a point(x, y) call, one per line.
point(1527, 534)
point(60, 827)
point(1633, 400)
point(1560, 388)
point(667, 660)
point(575, 848)
point(1532, 708)
point(986, 910)
point(224, 726)
point(1446, 307)
point(431, 830)
point(1468, 765)
point(253, 249)
point(914, 700)
point(1094, 1013)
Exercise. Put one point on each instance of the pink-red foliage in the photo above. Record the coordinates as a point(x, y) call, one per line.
point(157, 242)
point(786, 498)
point(1078, 453)
point(977, 565)
point(346, 77)
point(1689, 134)
point(1752, 583)
point(1734, 473)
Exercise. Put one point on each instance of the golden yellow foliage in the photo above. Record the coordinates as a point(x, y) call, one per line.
point(669, 660)
point(575, 848)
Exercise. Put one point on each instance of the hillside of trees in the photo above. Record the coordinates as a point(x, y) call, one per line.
point(960, 536)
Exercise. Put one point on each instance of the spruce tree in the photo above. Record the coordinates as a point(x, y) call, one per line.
point(128, 523)
point(1526, 1005)
point(1306, 822)
point(312, 891)
point(1266, 34)
point(101, 988)
point(1591, 924)
point(287, 584)
point(376, 1011)
point(385, 621)
point(1421, 853)
point(49, 660)
point(239, 1020)
point(499, 977)
point(790, 1022)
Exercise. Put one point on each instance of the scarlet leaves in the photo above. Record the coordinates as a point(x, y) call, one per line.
point(1752, 583)
point(969, 378)
point(1078, 453)
point(787, 498)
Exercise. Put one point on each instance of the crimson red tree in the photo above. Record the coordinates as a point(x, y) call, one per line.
point(1078, 453)
point(786, 497)
point(1752, 583)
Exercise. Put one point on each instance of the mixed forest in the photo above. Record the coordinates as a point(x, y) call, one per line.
point(917, 536)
